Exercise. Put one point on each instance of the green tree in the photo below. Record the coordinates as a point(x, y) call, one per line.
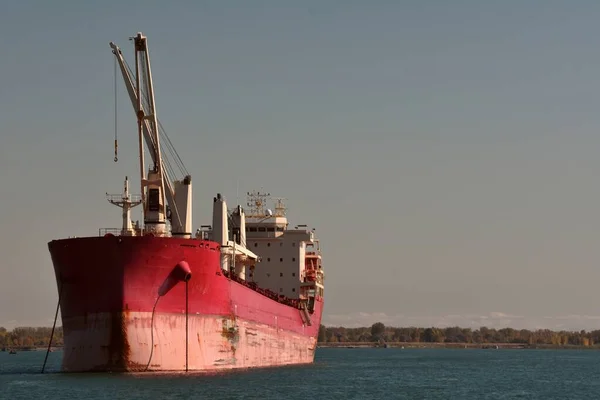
point(377, 330)
point(322, 334)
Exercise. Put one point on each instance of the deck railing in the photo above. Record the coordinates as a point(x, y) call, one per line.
point(296, 303)
point(117, 231)
point(134, 198)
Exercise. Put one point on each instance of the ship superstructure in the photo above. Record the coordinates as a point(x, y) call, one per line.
point(291, 258)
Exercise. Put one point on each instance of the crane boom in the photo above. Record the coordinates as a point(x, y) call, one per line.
point(163, 199)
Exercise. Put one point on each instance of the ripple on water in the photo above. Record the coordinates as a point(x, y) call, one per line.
point(336, 374)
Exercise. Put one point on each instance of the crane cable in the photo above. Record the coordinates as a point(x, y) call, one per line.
point(116, 143)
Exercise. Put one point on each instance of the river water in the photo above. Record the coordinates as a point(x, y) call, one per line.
point(336, 374)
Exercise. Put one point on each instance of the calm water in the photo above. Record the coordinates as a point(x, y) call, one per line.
point(336, 374)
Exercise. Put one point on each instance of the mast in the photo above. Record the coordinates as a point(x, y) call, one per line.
point(126, 202)
point(164, 199)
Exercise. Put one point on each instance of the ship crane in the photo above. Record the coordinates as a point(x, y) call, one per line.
point(163, 197)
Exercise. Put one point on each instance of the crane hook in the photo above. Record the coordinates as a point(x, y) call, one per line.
point(116, 146)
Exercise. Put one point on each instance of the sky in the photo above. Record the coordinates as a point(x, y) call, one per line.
point(445, 152)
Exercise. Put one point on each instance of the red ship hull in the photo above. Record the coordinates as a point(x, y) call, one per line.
point(112, 320)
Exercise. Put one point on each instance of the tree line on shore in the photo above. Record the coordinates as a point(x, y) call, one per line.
point(30, 337)
point(378, 332)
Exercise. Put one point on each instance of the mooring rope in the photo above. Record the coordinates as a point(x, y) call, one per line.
point(53, 325)
point(152, 333)
point(186, 326)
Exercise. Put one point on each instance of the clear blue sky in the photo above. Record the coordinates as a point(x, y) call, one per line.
point(445, 152)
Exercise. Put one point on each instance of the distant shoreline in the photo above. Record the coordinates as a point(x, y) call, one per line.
point(29, 348)
point(401, 345)
point(377, 335)
point(421, 345)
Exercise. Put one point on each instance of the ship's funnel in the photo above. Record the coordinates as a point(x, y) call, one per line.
point(180, 273)
point(220, 225)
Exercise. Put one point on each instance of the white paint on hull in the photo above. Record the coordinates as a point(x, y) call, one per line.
point(123, 342)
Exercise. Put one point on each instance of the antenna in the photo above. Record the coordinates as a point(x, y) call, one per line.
point(280, 207)
point(256, 202)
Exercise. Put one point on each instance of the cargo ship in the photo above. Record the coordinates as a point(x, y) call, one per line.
point(246, 291)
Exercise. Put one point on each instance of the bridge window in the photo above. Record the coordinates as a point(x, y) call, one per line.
point(153, 200)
